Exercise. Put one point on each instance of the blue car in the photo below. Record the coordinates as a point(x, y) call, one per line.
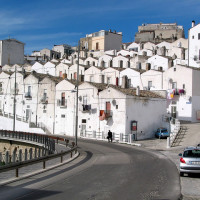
point(162, 133)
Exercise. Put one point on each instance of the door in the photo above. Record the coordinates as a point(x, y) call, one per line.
point(83, 129)
point(173, 111)
point(28, 111)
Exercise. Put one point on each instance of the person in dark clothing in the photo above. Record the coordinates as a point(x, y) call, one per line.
point(109, 136)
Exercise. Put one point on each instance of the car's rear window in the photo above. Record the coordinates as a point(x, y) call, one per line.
point(192, 154)
point(163, 130)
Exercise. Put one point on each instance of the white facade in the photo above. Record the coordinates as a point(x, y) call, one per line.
point(105, 61)
point(134, 78)
point(50, 68)
point(38, 67)
point(62, 69)
point(152, 80)
point(90, 61)
point(121, 61)
point(93, 74)
point(11, 52)
point(194, 46)
point(158, 61)
point(65, 108)
point(134, 46)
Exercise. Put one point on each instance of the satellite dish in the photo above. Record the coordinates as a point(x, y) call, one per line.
point(114, 102)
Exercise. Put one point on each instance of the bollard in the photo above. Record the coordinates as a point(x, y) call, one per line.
point(44, 164)
point(61, 159)
point(168, 142)
point(17, 172)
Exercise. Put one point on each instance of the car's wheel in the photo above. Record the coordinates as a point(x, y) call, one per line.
point(181, 174)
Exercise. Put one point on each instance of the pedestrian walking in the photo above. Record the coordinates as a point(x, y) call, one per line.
point(109, 137)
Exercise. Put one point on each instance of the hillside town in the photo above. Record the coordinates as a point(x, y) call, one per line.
point(129, 88)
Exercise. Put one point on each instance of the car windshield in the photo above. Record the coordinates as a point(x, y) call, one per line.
point(192, 153)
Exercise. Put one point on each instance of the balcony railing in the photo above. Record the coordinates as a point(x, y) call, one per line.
point(62, 102)
point(28, 95)
point(85, 108)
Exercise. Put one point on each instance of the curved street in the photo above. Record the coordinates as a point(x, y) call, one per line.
point(103, 171)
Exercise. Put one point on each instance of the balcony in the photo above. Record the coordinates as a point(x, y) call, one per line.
point(28, 96)
point(85, 108)
point(105, 114)
point(44, 100)
point(62, 103)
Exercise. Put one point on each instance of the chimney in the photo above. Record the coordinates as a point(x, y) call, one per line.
point(138, 91)
point(193, 23)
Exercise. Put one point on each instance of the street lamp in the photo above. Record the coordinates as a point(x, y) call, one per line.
point(77, 83)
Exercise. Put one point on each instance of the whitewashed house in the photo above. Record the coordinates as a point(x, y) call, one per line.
point(38, 67)
point(124, 112)
point(5, 95)
point(138, 62)
point(50, 68)
point(105, 61)
point(183, 95)
point(194, 45)
point(111, 75)
point(7, 68)
point(149, 46)
point(134, 47)
point(47, 103)
point(72, 74)
point(160, 62)
point(65, 108)
point(31, 96)
point(94, 74)
point(121, 61)
point(133, 77)
point(91, 61)
point(152, 80)
point(62, 70)
point(66, 61)
point(125, 53)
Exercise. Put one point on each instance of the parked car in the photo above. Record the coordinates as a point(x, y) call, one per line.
point(190, 160)
point(162, 133)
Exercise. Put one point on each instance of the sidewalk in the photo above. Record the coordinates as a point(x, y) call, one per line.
point(190, 185)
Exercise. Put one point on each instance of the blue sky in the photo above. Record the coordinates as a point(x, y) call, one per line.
point(43, 23)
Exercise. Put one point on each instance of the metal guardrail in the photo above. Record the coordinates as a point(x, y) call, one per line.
point(17, 166)
point(47, 141)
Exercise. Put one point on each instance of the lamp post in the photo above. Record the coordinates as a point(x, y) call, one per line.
point(77, 83)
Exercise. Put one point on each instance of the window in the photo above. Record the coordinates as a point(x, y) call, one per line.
point(62, 99)
point(183, 86)
point(149, 85)
point(62, 116)
point(84, 100)
point(111, 63)
point(93, 63)
point(121, 63)
point(174, 69)
point(174, 85)
point(116, 106)
point(128, 64)
point(108, 80)
point(102, 78)
point(45, 93)
point(91, 78)
point(193, 37)
point(198, 36)
point(84, 121)
point(1, 89)
point(97, 46)
point(44, 111)
point(60, 73)
point(103, 64)
point(29, 90)
point(75, 75)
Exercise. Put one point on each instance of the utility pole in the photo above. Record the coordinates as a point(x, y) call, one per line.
point(14, 103)
point(77, 82)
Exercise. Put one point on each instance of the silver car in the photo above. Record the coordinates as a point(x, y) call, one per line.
point(190, 160)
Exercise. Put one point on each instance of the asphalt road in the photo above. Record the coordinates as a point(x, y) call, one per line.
point(103, 171)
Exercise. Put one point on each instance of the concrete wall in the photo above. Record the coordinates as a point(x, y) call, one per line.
point(11, 52)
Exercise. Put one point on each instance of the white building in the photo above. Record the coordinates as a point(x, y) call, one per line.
point(94, 74)
point(105, 61)
point(12, 52)
point(194, 45)
point(121, 61)
point(38, 67)
point(182, 85)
